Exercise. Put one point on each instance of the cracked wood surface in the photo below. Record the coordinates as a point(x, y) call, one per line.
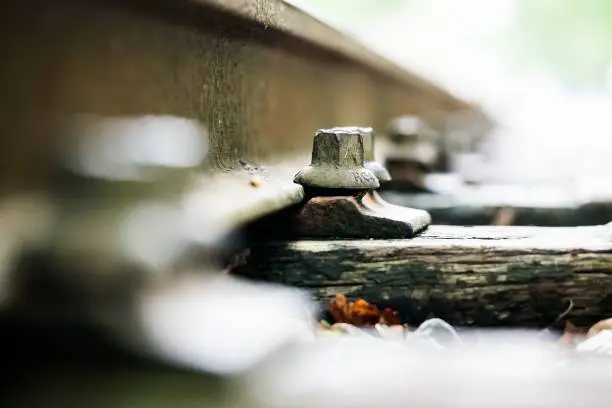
point(485, 276)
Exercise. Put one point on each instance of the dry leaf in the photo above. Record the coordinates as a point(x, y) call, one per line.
point(390, 317)
point(363, 313)
point(360, 313)
point(339, 309)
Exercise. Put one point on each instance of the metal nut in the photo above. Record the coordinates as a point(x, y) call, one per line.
point(370, 162)
point(414, 142)
point(337, 161)
point(407, 129)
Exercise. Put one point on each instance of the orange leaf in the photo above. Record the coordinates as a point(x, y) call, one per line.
point(339, 309)
point(364, 313)
point(390, 317)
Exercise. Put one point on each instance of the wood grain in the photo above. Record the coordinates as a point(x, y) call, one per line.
point(485, 276)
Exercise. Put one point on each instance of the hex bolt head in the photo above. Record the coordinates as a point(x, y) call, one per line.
point(370, 162)
point(337, 162)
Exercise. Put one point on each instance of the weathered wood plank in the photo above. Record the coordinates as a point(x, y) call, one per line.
point(466, 275)
point(477, 205)
point(569, 216)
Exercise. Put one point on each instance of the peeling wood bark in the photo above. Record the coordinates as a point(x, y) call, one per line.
point(484, 276)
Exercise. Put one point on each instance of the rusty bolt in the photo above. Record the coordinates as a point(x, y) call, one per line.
point(337, 162)
point(370, 162)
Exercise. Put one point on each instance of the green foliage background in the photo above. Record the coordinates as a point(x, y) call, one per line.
point(571, 39)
